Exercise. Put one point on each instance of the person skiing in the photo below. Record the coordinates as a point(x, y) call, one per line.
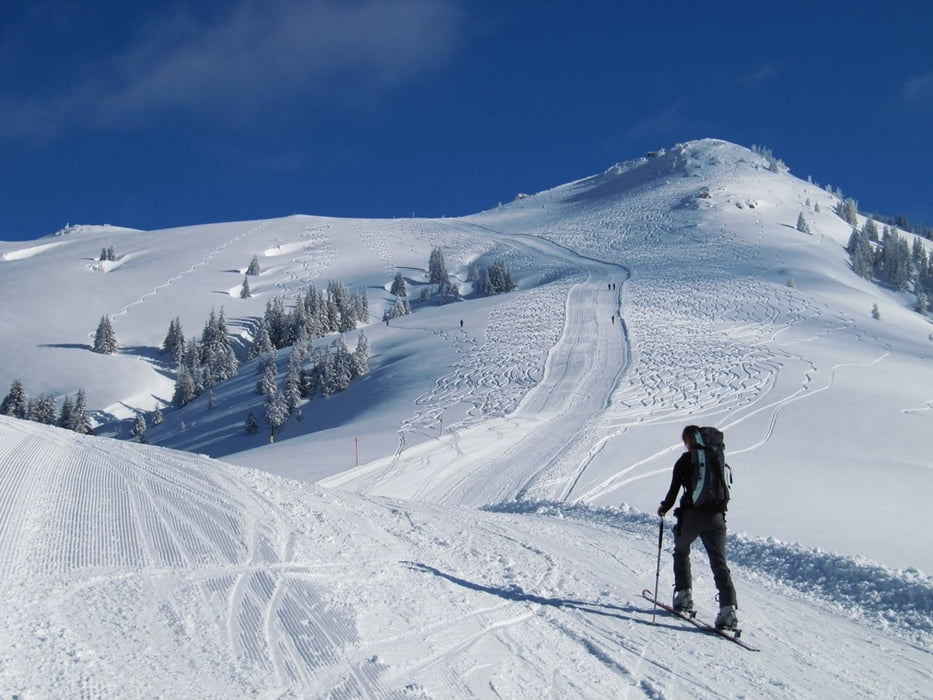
point(708, 522)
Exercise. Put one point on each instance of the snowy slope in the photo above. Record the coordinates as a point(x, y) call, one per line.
point(140, 571)
point(480, 522)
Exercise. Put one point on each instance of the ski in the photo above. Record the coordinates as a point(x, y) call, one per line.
point(705, 626)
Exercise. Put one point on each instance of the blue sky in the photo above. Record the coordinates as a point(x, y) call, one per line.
point(160, 114)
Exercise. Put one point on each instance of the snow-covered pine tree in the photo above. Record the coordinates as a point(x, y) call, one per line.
point(217, 356)
point(292, 390)
point(361, 305)
point(192, 362)
point(79, 421)
point(245, 292)
point(105, 341)
point(139, 428)
point(847, 210)
point(802, 224)
point(437, 270)
point(262, 343)
point(360, 364)
point(346, 308)
point(343, 365)
point(896, 259)
point(923, 303)
point(44, 410)
point(157, 417)
point(252, 424)
point(860, 251)
point(276, 322)
point(174, 343)
point(15, 403)
point(64, 416)
point(399, 288)
point(185, 388)
point(253, 268)
point(267, 385)
point(498, 279)
point(325, 374)
point(276, 410)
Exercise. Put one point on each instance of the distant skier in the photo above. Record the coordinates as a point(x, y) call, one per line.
point(706, 520)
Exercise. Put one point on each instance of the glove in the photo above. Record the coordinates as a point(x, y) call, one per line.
point(661, 511)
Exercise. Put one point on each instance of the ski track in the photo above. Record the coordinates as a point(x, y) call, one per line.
point(315, 256)
point(286, 588)
point(736, 358)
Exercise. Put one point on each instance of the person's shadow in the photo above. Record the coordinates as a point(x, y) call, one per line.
point(515, 593)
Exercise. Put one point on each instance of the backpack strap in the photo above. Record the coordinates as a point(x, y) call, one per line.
point(700, 456)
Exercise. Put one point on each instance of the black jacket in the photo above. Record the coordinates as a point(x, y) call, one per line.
point(682, 478)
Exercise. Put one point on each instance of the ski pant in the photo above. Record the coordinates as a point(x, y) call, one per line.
point(711, 529)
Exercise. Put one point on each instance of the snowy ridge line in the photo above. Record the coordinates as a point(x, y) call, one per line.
point(899, 600)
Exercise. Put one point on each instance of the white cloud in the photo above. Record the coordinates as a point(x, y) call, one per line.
point(919, 87)
point(255, 54)
point(760, 74)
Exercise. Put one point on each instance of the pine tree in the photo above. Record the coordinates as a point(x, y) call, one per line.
point(360, 364)
point(399, 288)
point(174, 343)
point(802, 225)
point(847, 209)
point(245, 292)
point(343, 365)
point(923, 303)
point(324, 375)
point(267, 385)
point(64, 417)
point(44, 410)
point(105, 342)
point(437, 270)
point(292, 391)
point(276, 411)
point(157, 417)
point(875, 312)
point(275, 318)
point(193, 362)
point(79, 420)
point(252, 425)
point(139, 428)
point(861, 253)
point(253, 268)
point(217, 356)
point(15, 403)
point(185, 388)
point(262, 345)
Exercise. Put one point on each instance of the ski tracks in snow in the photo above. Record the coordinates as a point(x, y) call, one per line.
point(86, 535)
point(143, 571)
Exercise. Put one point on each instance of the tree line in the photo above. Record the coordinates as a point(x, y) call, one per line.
point(71, 415)
point(889, 258)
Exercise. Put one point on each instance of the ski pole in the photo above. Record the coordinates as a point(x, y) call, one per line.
point(657, 574)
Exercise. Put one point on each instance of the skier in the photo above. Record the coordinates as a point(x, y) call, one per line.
point(709, 524)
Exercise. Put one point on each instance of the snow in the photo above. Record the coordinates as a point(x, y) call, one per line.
point(474, 517)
